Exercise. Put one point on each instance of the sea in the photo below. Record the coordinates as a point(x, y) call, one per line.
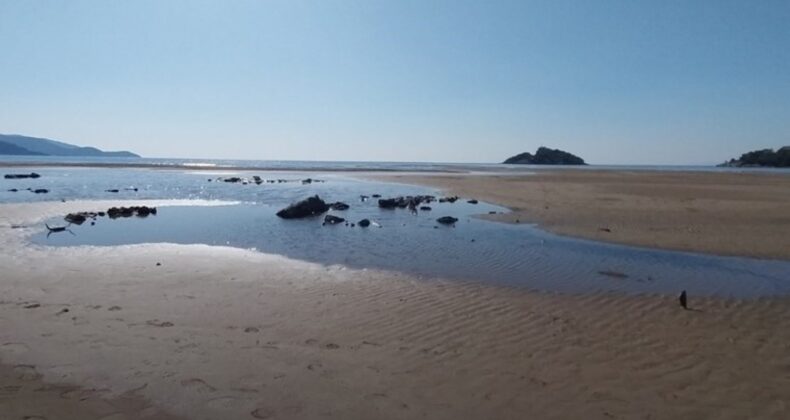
point(243, 215)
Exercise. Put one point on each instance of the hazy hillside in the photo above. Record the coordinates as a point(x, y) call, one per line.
point(14, 144)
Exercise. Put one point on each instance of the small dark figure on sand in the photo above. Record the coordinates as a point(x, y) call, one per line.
point(683, 300)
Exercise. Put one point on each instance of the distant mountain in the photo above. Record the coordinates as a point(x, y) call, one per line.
point(13, 144)
point(765, 158)
point(546, 156)
point(12, 149)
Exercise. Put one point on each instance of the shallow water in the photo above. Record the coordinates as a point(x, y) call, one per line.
point(291, 165)
point(474, 250)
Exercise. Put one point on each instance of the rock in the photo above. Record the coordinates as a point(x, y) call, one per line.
point(412, 202)
point(311, 206)
point(140, 211)
point(683, 300)
point(363, 198)
point(447, 220)
point(76, 218)
point(473, 201)
point(145, 211)
point(233, 179)
point(448, 199)
point(376, 195)
point(491, 212)
point(112, 191)
point(364, 223)
point(22, 176)
point(388, 203)
point(41, 191)
point(333, 220)
point(425, 208)
point(310, 181)
point(339, 206)
point(546, 156)
point(13, 190)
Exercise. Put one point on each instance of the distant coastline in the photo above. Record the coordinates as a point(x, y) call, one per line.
point(19, 145)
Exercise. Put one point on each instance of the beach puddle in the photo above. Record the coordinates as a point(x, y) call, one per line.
point(472, 249)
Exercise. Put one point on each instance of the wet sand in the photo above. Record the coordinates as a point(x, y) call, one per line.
point(216, 333)
point(743, 214)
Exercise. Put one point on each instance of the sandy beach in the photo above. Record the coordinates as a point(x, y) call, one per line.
point(217, 333)
point(740, 214)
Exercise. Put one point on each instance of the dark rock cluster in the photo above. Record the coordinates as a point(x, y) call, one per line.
point(139, 211)
point(32, 175)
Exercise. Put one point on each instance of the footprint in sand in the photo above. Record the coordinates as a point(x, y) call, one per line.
point(9, 390)
point(26, 373)
point(32, 305)
point(262, 413)
point(34, 418)
point(158, 323)
point(224, 402)
point(81, 394)
point(114, 416)
point(198, 385)
point(251, 330)
point(114, 308)
point(15, 347)
point(331, 346)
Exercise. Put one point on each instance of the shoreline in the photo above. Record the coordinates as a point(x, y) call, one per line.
point(726, 214)
point(208, 168)
point(217, 332)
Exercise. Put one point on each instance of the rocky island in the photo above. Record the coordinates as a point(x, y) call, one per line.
point(546, 156)
point(762, 158)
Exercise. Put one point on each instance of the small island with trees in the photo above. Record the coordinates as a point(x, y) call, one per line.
point(545, 156)
point(762, 158)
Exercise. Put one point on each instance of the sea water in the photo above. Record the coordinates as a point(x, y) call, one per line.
point(472, 250)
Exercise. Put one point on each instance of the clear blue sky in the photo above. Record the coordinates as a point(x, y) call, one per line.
point(644, 82)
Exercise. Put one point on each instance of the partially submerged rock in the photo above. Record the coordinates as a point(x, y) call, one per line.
point(139, 211)
point(447, 220)
point(333, 220)
point(40, 191)
point(339, 206)
point(364, 223)
point(76, 218)
point(411, 202)
point(311, 206)
point(32, 175)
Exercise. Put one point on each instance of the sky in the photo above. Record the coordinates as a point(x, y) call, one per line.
point(615, 82)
